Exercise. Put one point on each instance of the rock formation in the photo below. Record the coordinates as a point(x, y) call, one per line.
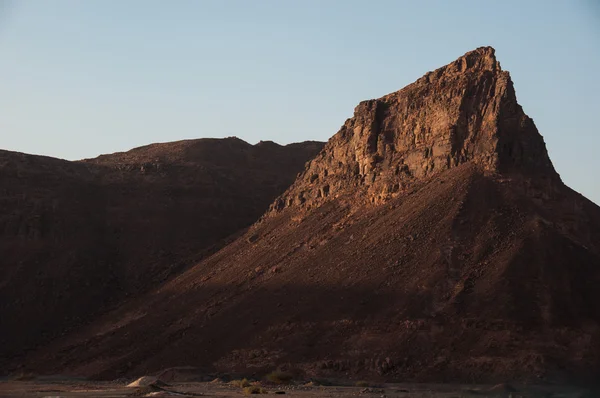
point(463, 112)
point(430, 240)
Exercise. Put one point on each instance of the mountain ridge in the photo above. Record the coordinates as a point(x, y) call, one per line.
point(79, 237)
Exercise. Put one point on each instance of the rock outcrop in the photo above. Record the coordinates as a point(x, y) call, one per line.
point(466, 111)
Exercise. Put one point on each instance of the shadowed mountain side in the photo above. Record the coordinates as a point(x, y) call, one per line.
point(457, 279)
point(79, 237)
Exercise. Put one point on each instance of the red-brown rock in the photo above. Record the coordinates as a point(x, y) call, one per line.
point(463, 112)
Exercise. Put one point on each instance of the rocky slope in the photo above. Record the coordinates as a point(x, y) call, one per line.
point(80, 237)
point(431, 239)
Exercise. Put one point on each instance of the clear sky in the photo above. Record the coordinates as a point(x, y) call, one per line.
point(83, 77)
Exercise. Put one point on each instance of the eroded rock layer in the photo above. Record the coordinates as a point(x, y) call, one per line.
point(466, 111)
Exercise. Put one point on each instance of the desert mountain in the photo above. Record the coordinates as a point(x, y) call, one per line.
point(80, 237)
point(430, 239)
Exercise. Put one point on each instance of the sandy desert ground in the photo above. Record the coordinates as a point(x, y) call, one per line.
point(72, 388)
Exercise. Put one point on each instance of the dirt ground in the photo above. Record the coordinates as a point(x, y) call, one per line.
point(71, 388)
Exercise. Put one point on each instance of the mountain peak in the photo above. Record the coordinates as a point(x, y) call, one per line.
point(464, 112)
point(482, 58)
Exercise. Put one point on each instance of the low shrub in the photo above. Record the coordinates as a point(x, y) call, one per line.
point(254, 390)
point(280, 377)
point(240, 383)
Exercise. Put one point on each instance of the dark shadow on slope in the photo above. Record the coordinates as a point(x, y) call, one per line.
point(327, 332)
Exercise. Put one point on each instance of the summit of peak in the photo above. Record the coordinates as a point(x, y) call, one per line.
point(481, 58)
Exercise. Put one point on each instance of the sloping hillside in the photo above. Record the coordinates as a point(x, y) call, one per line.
point(80, 237)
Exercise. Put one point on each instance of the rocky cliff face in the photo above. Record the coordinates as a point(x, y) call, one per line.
point(466, 111)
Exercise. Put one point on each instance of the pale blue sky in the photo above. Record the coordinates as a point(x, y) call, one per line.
point(83, 77)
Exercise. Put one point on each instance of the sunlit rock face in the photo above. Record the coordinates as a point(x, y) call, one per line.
point(466, 111)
